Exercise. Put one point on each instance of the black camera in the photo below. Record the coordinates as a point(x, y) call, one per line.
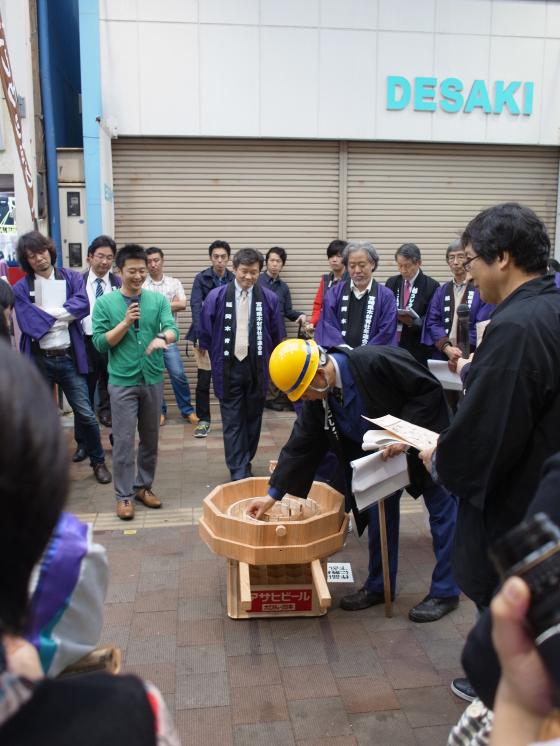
point(532, 552)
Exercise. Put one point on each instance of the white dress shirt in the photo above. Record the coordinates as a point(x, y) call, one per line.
point(58, 337)
point(91, 288)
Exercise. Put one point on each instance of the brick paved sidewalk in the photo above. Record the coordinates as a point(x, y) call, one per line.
point(346, 678)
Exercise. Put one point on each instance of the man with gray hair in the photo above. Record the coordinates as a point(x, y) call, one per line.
point(358, 311)
point(440, 326)
point(413, 291)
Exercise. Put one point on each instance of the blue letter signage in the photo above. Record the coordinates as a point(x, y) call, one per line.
point(451, 95)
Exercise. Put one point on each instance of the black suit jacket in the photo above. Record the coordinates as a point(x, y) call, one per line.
point(389, 381)
point(410, 335)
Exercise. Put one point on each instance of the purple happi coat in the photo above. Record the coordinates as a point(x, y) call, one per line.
point(383, 329)
point(211, 332)
point(439, 318)
point(35, 323)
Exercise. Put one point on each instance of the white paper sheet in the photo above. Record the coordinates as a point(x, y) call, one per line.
point(410, 312)
point(373, 479)
point(449, 380)
point(50, 293)
point(376, 440)
point(414, 435)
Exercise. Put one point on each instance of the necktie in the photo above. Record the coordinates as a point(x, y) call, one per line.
point(242, 330)
point(99, 288)
point(406, 297)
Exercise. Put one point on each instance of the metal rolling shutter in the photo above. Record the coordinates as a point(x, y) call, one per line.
point(182, 194)
point(426, 193)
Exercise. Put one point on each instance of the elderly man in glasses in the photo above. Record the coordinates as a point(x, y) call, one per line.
point(440, 326)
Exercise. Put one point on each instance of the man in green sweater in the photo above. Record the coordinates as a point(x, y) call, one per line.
point(134, 326)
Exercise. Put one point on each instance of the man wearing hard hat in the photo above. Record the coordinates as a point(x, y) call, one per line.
point(337, 389)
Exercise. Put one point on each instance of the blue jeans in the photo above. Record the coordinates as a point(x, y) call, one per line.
point(62, 371)
point(442, 509)
point(179, 382)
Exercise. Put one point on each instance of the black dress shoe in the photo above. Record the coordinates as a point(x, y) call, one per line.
point(105, 420)
point(462, 688)
point(362, 599)
point(102, 473)
point(79, 455)
point(432, 609)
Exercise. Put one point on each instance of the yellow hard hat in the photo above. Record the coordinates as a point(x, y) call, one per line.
point(293, 365)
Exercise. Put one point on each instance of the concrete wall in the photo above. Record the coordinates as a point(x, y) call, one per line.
point(320, 68)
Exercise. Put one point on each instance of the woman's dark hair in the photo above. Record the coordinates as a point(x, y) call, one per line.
point(130, 251)
point(336, 247)
point(279, 251)
point(34, 243)
point(513, 228)
point(33, 480)
point(7, 299)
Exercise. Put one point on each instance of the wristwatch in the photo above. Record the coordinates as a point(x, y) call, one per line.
point(161, 335)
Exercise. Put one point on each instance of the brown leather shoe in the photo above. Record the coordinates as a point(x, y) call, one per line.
point(146, 496)
point(102, 473)
point(192, 418)
point(125, 509)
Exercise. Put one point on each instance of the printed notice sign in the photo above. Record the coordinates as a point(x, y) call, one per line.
point(339, 572)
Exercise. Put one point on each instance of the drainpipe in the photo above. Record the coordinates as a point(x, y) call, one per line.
point(49, 128)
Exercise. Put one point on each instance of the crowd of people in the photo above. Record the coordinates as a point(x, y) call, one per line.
point(106, 336)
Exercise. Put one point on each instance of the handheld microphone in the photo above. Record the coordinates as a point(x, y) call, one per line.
point(136, 299)
point(463, 338)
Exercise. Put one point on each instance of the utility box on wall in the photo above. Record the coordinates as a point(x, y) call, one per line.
point(72, 203)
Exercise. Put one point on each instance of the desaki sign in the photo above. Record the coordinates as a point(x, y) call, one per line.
point(452, 95)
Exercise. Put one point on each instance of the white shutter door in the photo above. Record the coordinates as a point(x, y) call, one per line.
point(183, 194)
point(427, 193)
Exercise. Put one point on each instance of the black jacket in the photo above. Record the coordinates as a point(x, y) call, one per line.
point(410, 335)
point(479, 658)
point(283, 294)
point(203, 283)
point(389, 381)
point(506, 427)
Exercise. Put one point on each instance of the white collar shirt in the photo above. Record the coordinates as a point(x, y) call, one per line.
point(91, 289)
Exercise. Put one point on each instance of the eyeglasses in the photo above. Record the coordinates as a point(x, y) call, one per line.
point(467, 264)
point(103, 257)
point(452, 258)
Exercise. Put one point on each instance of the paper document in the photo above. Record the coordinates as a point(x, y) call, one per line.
point(416, 436)
point(376, 440)
point(373, 479)
point(339, 572)
point(480, 329)
point(407, 312)
point(449, 380)
point(50, 293)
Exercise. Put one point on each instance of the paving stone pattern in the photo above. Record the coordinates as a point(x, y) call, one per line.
point(345, 678)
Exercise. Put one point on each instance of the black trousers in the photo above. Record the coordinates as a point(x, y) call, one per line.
point(241, 412)
point(203, 378)
point(97, 377)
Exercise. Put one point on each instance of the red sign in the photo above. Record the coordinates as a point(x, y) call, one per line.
point(281, 599)
point(10, 94)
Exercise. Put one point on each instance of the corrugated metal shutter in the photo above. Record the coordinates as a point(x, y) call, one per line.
point(427, 193)
point(182, 194)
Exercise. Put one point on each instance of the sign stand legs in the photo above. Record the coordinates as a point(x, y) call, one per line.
point(385, 560)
